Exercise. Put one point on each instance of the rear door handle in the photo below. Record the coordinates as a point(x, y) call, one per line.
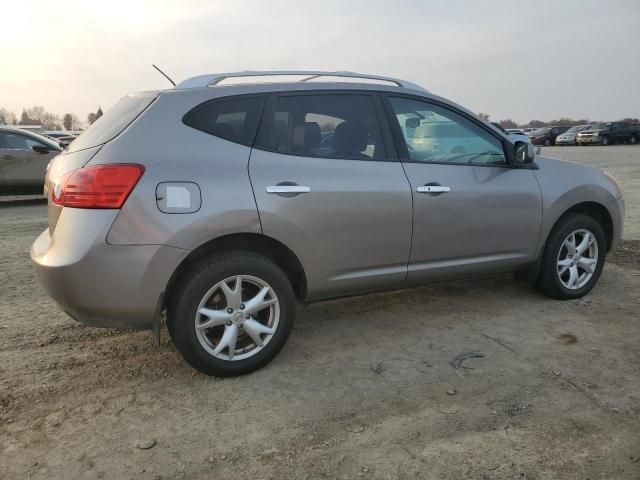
point(295, 189)
point(433, 189)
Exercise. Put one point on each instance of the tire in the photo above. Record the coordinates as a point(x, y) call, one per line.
point(200, 289)
point(547, 142)
point(550, 281)
point(633, 140)
point(604, 141)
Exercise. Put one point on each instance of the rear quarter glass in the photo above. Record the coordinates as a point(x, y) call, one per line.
point(114, 121)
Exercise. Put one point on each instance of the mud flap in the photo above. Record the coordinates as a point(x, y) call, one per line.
point(157, 321)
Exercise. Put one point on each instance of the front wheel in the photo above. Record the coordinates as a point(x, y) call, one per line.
point(232, 314)
point(633, 140)
point(573, 258)
point(604, 141)
point(547, 142)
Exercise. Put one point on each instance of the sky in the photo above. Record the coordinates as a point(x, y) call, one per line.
point(522, 60)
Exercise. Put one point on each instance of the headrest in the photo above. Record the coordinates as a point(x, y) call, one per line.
point(350, 138)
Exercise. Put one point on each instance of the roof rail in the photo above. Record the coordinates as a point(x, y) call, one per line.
point(308, 75)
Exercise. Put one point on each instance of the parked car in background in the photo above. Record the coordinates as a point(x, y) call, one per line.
point(515, 134)
point(515, 130)
point(527, 130)
point(24, 157)
point(569, 137)
point(216, 202)
point(546, 135)
point(609, 133)
point(62, 137)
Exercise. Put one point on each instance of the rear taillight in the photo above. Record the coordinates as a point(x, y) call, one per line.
point(100, 186)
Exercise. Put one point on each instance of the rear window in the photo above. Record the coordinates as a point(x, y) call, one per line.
point(114, 121)
point(328, 125)
point(234, 119)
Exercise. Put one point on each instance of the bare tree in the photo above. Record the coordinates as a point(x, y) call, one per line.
point(67, 121)
point(7, 117)
point(484, 116)
point(536, 124)
point(508, 123)
point(76, 123)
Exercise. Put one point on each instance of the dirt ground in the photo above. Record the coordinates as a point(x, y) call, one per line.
point(360, 390)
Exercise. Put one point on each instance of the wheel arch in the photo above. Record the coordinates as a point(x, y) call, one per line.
point(595, 210)
point(261, 244)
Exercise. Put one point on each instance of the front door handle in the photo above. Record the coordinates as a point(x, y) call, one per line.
point(288, 189)
point(433, 189)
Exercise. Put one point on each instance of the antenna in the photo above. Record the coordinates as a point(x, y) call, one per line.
point(164, 75)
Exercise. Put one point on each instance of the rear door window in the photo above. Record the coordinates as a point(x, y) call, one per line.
point(114, 121)
point(234, 119)
point(332, 126)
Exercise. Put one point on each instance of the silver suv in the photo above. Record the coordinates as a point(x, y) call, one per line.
point(224, 200)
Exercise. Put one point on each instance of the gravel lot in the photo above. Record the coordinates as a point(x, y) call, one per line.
point(360, 390)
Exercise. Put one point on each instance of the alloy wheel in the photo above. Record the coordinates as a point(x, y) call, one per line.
point(577, 259)
point(237, 317)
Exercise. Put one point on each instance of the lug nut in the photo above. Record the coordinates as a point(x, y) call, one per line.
point(242, 306)
point(239, 325)
point(228, 324)
point(248, 316)
point(229, 310)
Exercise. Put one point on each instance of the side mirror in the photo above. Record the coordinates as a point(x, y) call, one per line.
point(524, 153)
point(40, 149)
point(412, 122)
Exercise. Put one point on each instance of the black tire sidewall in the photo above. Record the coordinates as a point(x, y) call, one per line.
point(549, 282)
point(182, 312)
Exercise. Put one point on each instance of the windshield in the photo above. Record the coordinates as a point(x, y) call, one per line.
point(599, 126)
point(114, 121)
point(541, 131)
point(575, 129)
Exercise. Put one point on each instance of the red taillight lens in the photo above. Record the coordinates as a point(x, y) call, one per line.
point(100, 186)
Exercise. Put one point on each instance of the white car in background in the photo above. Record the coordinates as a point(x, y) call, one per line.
point(569, 137)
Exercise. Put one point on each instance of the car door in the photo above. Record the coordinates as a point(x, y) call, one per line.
point(617, 132)
point(23, 169)
point(328, 185)
point(473, 212)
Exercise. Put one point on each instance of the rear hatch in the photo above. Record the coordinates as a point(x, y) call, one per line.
point(84, 148)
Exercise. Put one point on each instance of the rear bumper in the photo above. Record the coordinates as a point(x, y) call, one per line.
point(99, 284)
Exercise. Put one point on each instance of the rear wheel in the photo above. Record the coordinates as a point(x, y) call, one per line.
point(232, 314)
point(547, 142)
point(573, 258)
point(633, 140)
point(604, 141)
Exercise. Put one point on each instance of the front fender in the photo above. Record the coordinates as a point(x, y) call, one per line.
point(566, 185)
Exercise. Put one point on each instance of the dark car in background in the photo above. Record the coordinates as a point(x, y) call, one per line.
point(609, 133)
point(546, 135)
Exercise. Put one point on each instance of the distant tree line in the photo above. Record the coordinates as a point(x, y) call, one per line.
point(561, 122)
point(37, 115)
